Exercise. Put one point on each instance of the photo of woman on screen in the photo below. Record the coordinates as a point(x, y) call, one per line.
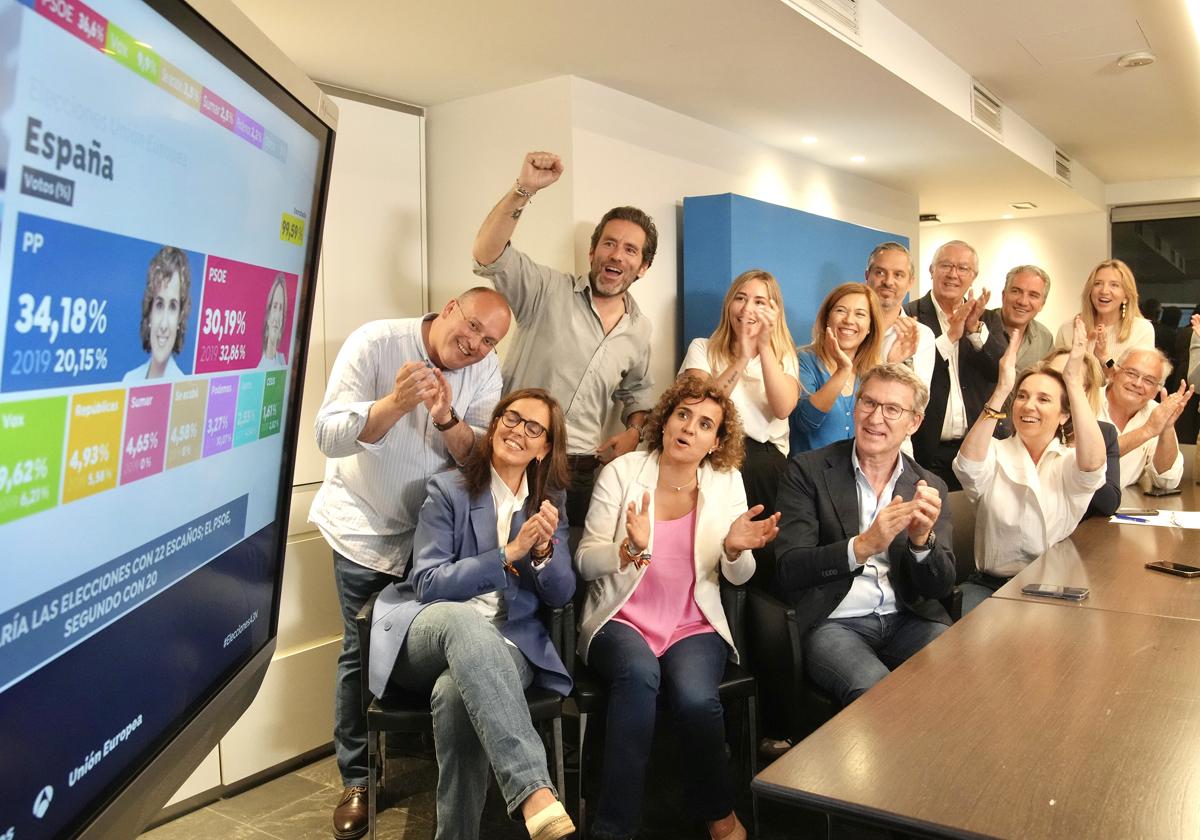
point(165, 306)
point(273, 321)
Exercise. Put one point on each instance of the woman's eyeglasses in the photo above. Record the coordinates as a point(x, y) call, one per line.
point(533, 429)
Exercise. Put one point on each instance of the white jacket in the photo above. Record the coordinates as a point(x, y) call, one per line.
point(722, 499)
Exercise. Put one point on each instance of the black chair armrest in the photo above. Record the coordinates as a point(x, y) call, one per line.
point(733, 602)
point(362, 622)
point(570, 638)
point(777, 658)
point(953, 604)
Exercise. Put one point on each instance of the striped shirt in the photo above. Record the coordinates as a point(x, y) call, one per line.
point(368, 504)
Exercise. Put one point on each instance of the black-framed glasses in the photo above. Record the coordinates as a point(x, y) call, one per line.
point(890, 411)
point(477, 328)
point(533, 429)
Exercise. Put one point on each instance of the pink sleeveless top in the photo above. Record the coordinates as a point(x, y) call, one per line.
point(663, 606)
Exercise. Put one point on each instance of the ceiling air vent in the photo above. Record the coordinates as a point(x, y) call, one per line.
point(839, 16)
point(986, 110)
point(1062, 166)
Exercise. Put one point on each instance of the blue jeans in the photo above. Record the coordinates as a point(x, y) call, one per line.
point(480, 716)
point(355, 586)
point(846, 656)
point(690, 673)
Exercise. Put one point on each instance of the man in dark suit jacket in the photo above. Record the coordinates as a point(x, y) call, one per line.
point(864, 545)
point(967, 361)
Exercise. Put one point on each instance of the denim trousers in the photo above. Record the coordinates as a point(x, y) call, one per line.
point(480, 716)
point(689, 672)
point(355, 586)
point(846, 656)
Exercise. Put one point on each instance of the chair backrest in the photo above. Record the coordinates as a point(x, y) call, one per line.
point(1190, 472)
point(962, 519)
point(362, 623)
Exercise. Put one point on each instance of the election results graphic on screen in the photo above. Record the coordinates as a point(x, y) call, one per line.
point(156, 214)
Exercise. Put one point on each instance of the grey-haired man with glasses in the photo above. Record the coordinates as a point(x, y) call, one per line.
point(967, 361)
point(864, 545)
point(405, 400)
point(1149, 449)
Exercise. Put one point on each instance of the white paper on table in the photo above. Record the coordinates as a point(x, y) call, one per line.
point(1163, 519)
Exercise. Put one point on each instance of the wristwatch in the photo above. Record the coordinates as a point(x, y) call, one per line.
point(449, 424)
point(929, 543)
point(993, 414)
point(638, 558)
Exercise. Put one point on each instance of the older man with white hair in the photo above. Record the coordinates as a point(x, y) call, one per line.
point(1149, 449)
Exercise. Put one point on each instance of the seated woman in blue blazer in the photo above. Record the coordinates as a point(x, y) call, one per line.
point(490, 546)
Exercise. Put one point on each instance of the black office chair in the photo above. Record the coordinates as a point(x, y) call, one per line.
point(402, 711)
point(737, 685)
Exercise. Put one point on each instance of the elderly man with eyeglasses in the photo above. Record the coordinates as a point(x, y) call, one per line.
point(967, 361)
point(405, 400)
point(864, 545)
point(1150, 453)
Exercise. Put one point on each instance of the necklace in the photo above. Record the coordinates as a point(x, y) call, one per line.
point(680, 487)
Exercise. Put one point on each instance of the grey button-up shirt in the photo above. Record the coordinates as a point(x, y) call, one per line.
point(561, 346)
point(1036, 343)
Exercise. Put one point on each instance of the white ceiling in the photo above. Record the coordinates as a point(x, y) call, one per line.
point(759, 68)
point(1054, 63)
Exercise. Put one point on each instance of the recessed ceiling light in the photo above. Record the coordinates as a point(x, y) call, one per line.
point(857, 159)
point(1022, 205)
point(1007, 216)
point(808, 140)
point(1137, 59)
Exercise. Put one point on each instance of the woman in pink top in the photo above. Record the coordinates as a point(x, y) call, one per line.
point(663, 526)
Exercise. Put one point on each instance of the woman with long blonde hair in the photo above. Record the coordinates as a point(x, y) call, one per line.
point(752, 357)
point(847, 337)
point(1109, 308)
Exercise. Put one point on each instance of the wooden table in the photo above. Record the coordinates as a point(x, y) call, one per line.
point(1020, 721)
point(1109, 559)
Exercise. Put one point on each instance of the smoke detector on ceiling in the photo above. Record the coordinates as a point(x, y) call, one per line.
point(1137, 59)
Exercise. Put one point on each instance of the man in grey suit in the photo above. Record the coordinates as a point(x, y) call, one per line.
point(863, 550)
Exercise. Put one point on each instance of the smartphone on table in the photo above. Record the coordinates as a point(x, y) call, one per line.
point(1173, 568)
point(1049, 590)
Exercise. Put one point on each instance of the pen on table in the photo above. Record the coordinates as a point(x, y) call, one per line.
point(1128, 518)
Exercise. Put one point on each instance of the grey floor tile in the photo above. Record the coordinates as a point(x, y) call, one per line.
point(268, 797)
point(206, 824)
point(323, 771)
point(310, 819)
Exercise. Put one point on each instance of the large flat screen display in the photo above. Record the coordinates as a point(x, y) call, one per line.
point(160, 201)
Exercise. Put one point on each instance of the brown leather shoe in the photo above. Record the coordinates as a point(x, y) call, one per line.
point(350, 816)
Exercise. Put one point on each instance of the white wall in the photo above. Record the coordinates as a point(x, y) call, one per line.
point(1149, 192)
point(618, 150)
point(1067, 247)
point(474, 150)
point(629, 151)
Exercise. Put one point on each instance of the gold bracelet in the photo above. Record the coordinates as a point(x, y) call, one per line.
point(993, 414)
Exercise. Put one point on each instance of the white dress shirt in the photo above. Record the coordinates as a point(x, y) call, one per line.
point(955, 425)
point(1138, 463)
point(921, 361)
point(1022, 508)
point(749, 394)
point(871, 592)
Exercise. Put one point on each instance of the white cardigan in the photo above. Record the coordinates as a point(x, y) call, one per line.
point(721, 499)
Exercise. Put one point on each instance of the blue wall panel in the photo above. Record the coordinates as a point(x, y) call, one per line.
point(724, 235)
